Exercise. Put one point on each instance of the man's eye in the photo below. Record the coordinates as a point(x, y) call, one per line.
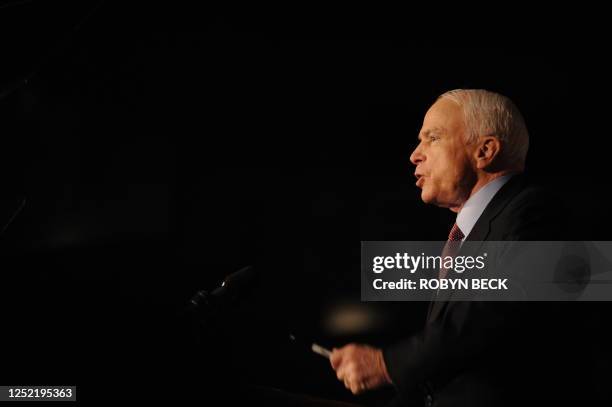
point(434, 138)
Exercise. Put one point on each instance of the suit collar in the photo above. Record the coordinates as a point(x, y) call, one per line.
point(482, 228)
point(474, 207)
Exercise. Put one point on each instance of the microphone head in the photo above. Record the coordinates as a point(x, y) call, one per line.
point(239, 279)
point(233, 286)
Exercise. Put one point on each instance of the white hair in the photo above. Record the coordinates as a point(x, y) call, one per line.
point(488, 113)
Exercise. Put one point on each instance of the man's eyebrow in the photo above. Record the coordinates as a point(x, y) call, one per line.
point(429, 132)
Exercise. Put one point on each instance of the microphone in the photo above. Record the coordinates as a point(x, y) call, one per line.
point(232, 287)
point(11, 208)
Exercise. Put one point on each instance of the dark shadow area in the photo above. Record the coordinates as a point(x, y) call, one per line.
point(159, 149)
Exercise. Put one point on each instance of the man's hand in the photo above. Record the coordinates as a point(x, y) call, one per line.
point(360, 367)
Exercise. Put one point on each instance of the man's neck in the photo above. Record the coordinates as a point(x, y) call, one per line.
point(482, 180)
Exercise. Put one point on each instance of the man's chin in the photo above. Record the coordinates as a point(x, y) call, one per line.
point(431, 199)
point(427, 197)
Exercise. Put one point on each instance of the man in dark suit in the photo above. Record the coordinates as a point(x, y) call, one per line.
point(470, 159)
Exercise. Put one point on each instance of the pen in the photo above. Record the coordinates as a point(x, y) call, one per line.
point(326, 353)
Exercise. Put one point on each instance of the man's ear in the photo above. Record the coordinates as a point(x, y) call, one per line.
point(488, 149)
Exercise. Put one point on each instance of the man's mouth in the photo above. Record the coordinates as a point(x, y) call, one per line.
point(420, 180)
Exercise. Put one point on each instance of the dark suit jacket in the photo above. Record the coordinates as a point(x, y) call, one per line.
point(492, 353)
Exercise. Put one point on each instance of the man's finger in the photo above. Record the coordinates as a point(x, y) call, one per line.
point(341, 373)
point(356, 387)
point(335, 358)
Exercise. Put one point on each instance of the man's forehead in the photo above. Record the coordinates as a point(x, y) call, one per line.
point(443, 109)
point(444, 105)
point(443, 116)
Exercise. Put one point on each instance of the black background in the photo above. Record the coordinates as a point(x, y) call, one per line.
point(161, 147)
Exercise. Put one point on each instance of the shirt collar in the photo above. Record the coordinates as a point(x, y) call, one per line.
point(477, 203)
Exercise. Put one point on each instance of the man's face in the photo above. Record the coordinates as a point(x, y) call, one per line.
point(444, 167)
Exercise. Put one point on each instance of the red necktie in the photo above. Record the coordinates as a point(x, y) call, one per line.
point(451, 248)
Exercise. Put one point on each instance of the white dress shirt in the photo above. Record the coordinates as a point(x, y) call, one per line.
point(476, 204)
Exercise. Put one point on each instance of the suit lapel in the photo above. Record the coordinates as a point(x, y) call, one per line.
point(480, 232)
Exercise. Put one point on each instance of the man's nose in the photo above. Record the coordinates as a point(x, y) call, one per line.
point(417, 156)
